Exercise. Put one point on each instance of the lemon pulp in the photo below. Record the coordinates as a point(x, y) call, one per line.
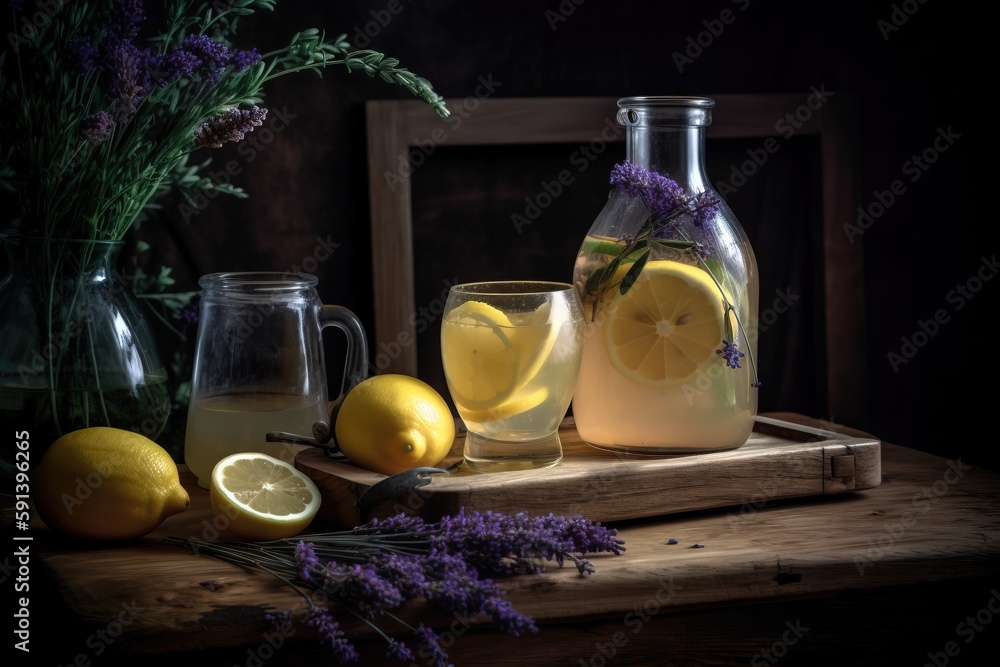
point(667, 326)
point(264, 497)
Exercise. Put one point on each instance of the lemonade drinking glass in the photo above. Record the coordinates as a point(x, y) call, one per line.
point(511, 353)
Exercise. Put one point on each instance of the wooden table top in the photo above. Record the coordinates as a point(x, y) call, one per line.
point(904, 573)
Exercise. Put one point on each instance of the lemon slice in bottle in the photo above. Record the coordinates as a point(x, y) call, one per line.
point(667, 326)
point(264, 497)
point(480, 363)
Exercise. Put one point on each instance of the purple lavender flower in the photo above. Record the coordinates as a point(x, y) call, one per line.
point(507, 618)
point(15, 4)
point(306, 561)
point(443, 563)
point(401, 523)
point(704, 206)
point(399, 651)
point(629, 179)
point(664, 198)
point(167, 68)
point(730, 353)
point(502, 544)
point(127, 83)
point(405, 572)
point(214, 56)
point(126, 16)
point(189, 313)
point(241, 60)
point(230, 126)
point(81, 54)
point(430, 647)
point(329, 632)
point(97, 127)
point(362, 588)
point(662, 195)
point(281, 620)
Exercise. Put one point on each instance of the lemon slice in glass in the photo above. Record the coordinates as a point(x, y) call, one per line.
point(264, 497)
point(514, 406)
point(533, 338)
point(480, 363)
point(667, 326)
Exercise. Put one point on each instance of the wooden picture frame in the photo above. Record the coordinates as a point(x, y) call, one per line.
point(394, 127)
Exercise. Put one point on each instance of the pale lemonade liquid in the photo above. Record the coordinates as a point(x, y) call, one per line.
point(710, 410)
point(543, 397)
point(516, 430)
point(224, 425)
point(692, 415)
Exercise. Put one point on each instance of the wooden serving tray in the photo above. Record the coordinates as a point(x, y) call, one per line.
point(781, 460)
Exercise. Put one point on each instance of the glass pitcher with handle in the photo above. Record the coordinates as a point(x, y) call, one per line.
point(260, 367)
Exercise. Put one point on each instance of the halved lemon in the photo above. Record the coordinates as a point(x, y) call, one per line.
point(667, 326)
point(263, 497)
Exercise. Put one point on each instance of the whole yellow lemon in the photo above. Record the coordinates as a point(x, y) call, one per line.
point(391, 423)
point(104, 483)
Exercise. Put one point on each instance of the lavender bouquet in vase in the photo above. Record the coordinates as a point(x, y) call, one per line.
point(101, 112)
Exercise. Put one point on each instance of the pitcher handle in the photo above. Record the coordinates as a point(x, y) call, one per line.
point(356, 364)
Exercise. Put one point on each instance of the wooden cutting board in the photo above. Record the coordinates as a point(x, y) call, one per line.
point(780, 460)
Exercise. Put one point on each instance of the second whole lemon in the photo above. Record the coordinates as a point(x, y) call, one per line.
point(391, 423)
point(107, 484)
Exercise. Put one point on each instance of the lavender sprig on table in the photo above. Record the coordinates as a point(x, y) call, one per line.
point(453, 564)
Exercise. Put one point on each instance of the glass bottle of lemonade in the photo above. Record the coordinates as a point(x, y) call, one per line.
point(669, 285)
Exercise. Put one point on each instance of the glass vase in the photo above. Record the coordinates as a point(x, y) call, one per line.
point(77, 348)
point(669, 286)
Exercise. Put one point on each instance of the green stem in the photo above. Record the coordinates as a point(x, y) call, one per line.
point(736, 313)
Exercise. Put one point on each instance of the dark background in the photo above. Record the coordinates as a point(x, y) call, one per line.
point(310, 181)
